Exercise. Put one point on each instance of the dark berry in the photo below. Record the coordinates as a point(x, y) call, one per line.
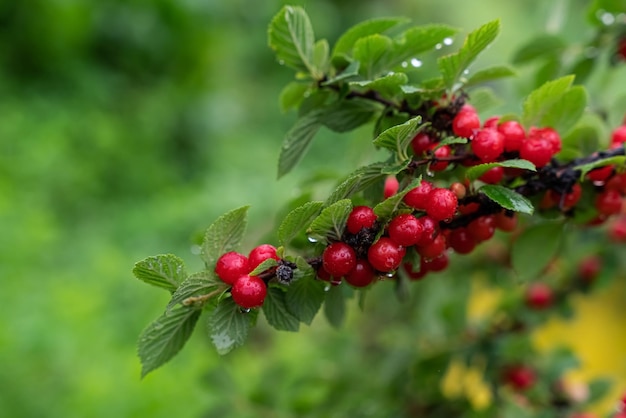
point(230, 266)
point(360, 217)
point(339, 259)
point(488, 145)
point(465, 123)
point(260, 254)
point(249, 291)
point(284, 274)
point(417, 198)
point(441, 204)
point(513, 133)
point(361, 275)
point(385, 255)
point(405, 229)
point(539, 296)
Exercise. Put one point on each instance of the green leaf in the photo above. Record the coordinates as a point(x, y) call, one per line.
point(291, 37)
point(618, 160)
point(321, 58)
point(398, 138)
point(483, 98)
point(330, 224)
point(276, 312)
point(507, 198)
point(201, 283)
point(265, 265)
point(535, 248)
point(417, 40)
point(388, 207)
point(164, 337)
point(544, 100)
point(451, 140)
point(224, 235)
point(567, 111)
point(489, 74)
point(598, 389)
point(297, 220)
point(544, 45)
point(297, 141)
point(452, 66)
point(389, 85)
point(335, 306)
point(351, 71)
point(475, 172)
point(372, 52)
point(166, 271)
point(292, 95)
point(346, 42)
point(357, 181)
point(346, 115)
point(304, 298)
point(229, 326)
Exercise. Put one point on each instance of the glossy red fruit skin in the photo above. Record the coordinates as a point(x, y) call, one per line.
point(547, 134)
point(609, 202)
point(421, 143)
point(491, 123)
point(322, 274)
point(405, 229)
point(442, 204)
point(230, 266)
point(260, 254)
point(436, 264)
point(465, 123)
point(441, 152)
point(539, 296)
point(434, 249)
point(493, 175)
point(617, 183)
point(391, 187)
point(520, 377)
point(618, 136)
point(483, 228)
point(417, 197)
point(361, 275)
point(360, 217)
point(569, 200)
point(513, 133)
point(461, 241)
point(600, 174)
point(338, 259)
point(537, 151)
point(385, 255)
point(249, 291)
point(429, 229)
point(506, 223)
point(414, 275)
point(488, 145)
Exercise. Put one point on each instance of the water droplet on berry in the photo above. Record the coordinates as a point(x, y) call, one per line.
point(448, 41)
point(416, 63)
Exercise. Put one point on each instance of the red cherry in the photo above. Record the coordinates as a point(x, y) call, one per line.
point(338, 259)
point(361, 275)
point(322, 274)
point(434, 249)
point(618, 136)
point(405, 229)
point(600, 174)
point(260, 254)
point(488, 145)
point(414, 275)
point(230, 266)
point(385, 254)
point(360, 217)
point(537, 151)
point(514, 135)
point(547, 134)
point(421, 143)
point(429, 229)
point(569, 200)
point(491, 123)
point(589, 268)
point(617, 182)
point(417, 198)
point(441, 204)
point(391, 187)
point(465, 123)
point(539, 296)
point(249, 291)
point(520, 377)
point(483, 228)
point(461, 241)
point(617, 230)
point(609, 202)
point(493, 175)
point(506, 223)
point(441, 152)
point(435, 264)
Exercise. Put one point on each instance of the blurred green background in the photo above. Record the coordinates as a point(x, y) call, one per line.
point(126, 127)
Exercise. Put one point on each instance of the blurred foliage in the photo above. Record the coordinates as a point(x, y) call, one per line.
point(127, 126)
